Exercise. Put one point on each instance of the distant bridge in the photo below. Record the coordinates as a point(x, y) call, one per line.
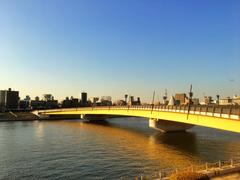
point(164, 118)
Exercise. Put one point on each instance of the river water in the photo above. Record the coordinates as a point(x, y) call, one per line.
point(120, 147)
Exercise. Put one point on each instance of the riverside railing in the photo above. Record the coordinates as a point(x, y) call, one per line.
point(210, 169)
point(229, 112)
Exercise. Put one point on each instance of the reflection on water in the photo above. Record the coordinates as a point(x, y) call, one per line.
point(181, 141)
point(121, 147)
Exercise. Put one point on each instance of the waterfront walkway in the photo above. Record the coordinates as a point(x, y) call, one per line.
point(212, 170)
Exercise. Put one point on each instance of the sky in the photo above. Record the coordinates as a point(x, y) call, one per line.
point(107, 47)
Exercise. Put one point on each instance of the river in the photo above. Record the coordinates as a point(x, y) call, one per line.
point(120, 147)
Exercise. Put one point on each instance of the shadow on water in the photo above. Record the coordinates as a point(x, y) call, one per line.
point(203, 143)
point(184, 141)
point(98, 122)
point(200, 144)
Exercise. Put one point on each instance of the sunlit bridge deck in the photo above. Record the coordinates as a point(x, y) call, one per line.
point(165, 118)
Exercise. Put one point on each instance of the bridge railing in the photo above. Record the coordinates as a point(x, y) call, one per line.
point(230, 112)
point(205, 168)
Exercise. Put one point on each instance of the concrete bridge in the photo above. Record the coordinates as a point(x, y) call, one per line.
point(164, 118)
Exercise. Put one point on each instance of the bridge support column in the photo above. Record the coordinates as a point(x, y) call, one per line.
point(168, 126)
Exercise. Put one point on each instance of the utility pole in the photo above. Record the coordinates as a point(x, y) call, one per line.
point(153, 100)
point(153, 97)
point(190, 95)
point(190, 100)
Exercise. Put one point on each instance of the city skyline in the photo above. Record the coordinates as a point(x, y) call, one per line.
point(64, 48)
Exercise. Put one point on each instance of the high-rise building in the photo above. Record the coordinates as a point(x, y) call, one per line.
point(84, 99)
point(9, 99)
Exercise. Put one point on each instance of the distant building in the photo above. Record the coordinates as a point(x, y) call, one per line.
point(24, 105)
point(94, 100)
point(68, 103)
point(106, 101)
point(27, 98)
point(158, 103)
point(37, 104)
point(195, 101)
point(132, 102)
point(208, 100)
point(48, 97)
point(226, 101)
point(48, 102)
point(236, 100)
point(138, 101)
point(120, 103)
point(187, 101)
point(180, 98)
point(74, 102)
point(171, 101)
point(53, 104)
point(84, 101)
point(9, 100)
point(165, 101)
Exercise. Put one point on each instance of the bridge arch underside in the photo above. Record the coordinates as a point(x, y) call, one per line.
point(163, 120)
point(162, 125)
point(98, 117)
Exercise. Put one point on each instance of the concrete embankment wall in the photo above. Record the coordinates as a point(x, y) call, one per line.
point(232, 176)
point(223, 174)
point(28, 116)
point(18, 116)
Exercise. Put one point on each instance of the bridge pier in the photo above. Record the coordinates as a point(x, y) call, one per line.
point(168, 126)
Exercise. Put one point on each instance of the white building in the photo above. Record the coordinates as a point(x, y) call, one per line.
point(236, 100)
point(226, 101)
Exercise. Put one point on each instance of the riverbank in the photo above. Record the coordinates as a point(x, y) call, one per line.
point(18, 116)
point(233, 176)
point(28, 116)
point(220, 170)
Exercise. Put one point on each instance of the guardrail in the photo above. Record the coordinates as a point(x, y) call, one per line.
point(229, 112)
point(210, 169)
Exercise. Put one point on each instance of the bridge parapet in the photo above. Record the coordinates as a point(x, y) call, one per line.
point(228, 112)
point(219, 117)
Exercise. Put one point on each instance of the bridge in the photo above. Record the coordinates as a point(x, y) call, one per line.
point(164, 118)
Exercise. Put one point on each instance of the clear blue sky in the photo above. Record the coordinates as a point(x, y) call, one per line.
point(108, 47)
